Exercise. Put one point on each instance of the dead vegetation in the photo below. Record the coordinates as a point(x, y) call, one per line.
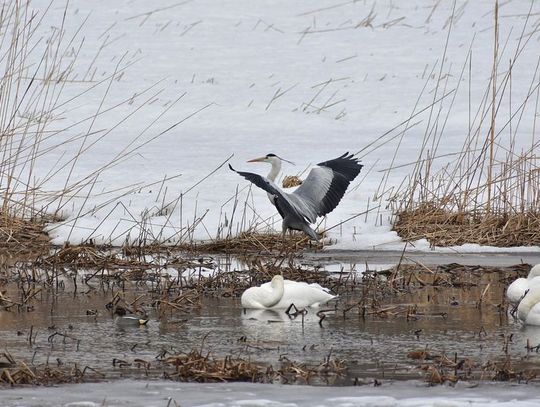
point(253, 242)
point(439, 368)
point(23, 236)
point(145, 286)
point(291, 181)
point(187, 367)
point(204, 368)
point(40, 154)
point(446, 228)
point(19, 373)
point(487, 190)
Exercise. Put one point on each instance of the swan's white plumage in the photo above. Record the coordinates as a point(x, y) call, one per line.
point(529, 308)
point(280, 293)
point(516, 290)
point(533, 317)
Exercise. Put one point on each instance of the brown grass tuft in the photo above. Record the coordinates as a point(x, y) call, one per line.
point(249, 242)
point(449, 228)
point(291, 181)
point(22, 235)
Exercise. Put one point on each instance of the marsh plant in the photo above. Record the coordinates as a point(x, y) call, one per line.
point(487, 192)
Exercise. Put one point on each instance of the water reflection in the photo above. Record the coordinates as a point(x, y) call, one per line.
point(264, 315)
point(464, 319)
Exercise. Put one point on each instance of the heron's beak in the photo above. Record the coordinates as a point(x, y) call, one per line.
point(258, 160)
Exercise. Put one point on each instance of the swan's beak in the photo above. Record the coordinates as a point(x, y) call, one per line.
point(258, 160)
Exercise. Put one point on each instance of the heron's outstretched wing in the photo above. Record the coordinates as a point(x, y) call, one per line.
point(283, 205)
point(326, 184)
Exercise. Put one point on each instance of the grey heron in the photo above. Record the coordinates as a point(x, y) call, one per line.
point(318, 195)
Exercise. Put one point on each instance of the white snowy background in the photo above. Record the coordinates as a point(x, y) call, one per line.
point(304, 80)
point(168, 90)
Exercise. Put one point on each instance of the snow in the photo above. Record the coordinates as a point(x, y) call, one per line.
point(232, 80)
point(162, 393)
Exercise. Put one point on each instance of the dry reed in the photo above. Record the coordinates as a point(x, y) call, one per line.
point(489, 193)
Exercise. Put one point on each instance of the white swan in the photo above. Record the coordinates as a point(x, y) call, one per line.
point(280, 293)
point(516, 290)
point(529, 307)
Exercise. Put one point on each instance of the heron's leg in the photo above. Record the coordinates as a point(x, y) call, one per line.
point(283, 231)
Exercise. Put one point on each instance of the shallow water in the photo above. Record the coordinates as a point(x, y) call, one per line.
point(447, 319)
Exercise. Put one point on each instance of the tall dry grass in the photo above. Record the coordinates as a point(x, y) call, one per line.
point(38, 60)
point(489, 191)
point(32, 70)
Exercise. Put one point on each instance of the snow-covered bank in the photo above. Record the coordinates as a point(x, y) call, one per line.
point(162, 394)
point(305, 81)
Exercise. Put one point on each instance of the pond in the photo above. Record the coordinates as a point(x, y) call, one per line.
point(374, 331)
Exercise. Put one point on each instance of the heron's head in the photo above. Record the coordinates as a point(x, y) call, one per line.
point(269, 158)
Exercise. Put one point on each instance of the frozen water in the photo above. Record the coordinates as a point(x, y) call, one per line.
point(304, 81)
point(164, 394)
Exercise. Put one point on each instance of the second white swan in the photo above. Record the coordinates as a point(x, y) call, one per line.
point(529, 308)
point(517, 289)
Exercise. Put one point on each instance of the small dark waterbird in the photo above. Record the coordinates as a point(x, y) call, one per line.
point(318, 195)
point(123, 318)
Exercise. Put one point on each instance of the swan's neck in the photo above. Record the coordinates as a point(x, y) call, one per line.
point(276, 168)
point(276, 293)
point(526, 304)
point(535, 272)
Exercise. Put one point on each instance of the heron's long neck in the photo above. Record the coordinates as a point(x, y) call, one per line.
point(274, 172)
point(275, 295)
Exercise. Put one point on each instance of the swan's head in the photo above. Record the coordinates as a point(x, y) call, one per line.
point(535, 272)
point(277, 280)
point(530, 300)
point(271, 159)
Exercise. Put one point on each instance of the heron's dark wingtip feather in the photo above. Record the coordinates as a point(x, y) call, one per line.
point(347, 165)
point(257, 180)
point(345, 169)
